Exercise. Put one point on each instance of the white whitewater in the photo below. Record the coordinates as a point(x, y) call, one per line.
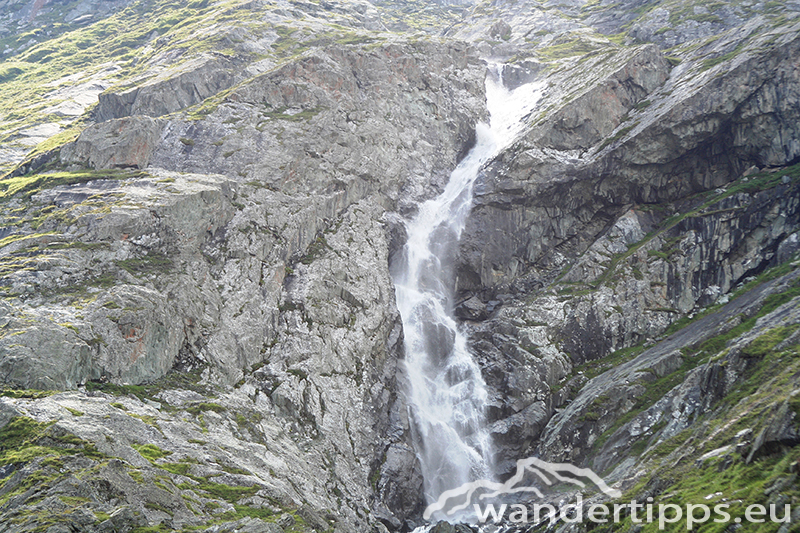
point(447, 393)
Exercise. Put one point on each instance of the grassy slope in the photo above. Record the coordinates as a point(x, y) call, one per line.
point(148, 38)
point(670, 470)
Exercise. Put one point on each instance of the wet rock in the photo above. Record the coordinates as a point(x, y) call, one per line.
point(443, 527)
point(518, 74)
point(399, 484)
point(471, 309)
point(515, 434)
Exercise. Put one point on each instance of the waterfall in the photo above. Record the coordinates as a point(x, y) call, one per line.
point(447, 394)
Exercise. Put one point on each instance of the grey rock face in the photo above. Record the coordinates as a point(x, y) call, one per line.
point(130, 332)
point(594, 115)
point(691, 265)
point(276, 279)
point(533, 207)
point(331, 369)
point(376, 121)
point(143, 237)
point(49, 357)
point(572, 432)
point(622, 286)
point(400, 483)
point(128, 142)
point(471, 309)
point(530, 346)
point(176, 89)
point(754, 84)
point(507, 28)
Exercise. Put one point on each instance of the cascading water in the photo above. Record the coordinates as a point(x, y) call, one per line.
point(447, 393)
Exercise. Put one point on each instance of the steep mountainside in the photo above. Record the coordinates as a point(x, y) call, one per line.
point(202, 204)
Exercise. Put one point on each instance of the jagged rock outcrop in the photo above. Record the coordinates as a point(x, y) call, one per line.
point(325, 378)
point(533, 208)
point(127, 330)
point(271, 274)
point(361, 132)
point(572, 433)
point(177, 88)
point(123, 143)
point(592, 116)
point(637, 270)
point(193, 226)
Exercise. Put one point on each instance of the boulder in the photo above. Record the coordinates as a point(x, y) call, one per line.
point(472, 309)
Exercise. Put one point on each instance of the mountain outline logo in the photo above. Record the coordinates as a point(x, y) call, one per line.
point(561, 472)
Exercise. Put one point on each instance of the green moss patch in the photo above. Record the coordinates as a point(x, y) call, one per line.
point(172, 380)
point(672, 464)
point(152, 263)
point(24, 439)
point(25, 186)
point(201, 407)
point(151, 452)
point(281, 114)
point(26, 393)
point(702, 353)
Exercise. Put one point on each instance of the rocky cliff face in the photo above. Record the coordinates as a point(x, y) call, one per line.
point(621, 238)
point(198, 323)
point(273, 275)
